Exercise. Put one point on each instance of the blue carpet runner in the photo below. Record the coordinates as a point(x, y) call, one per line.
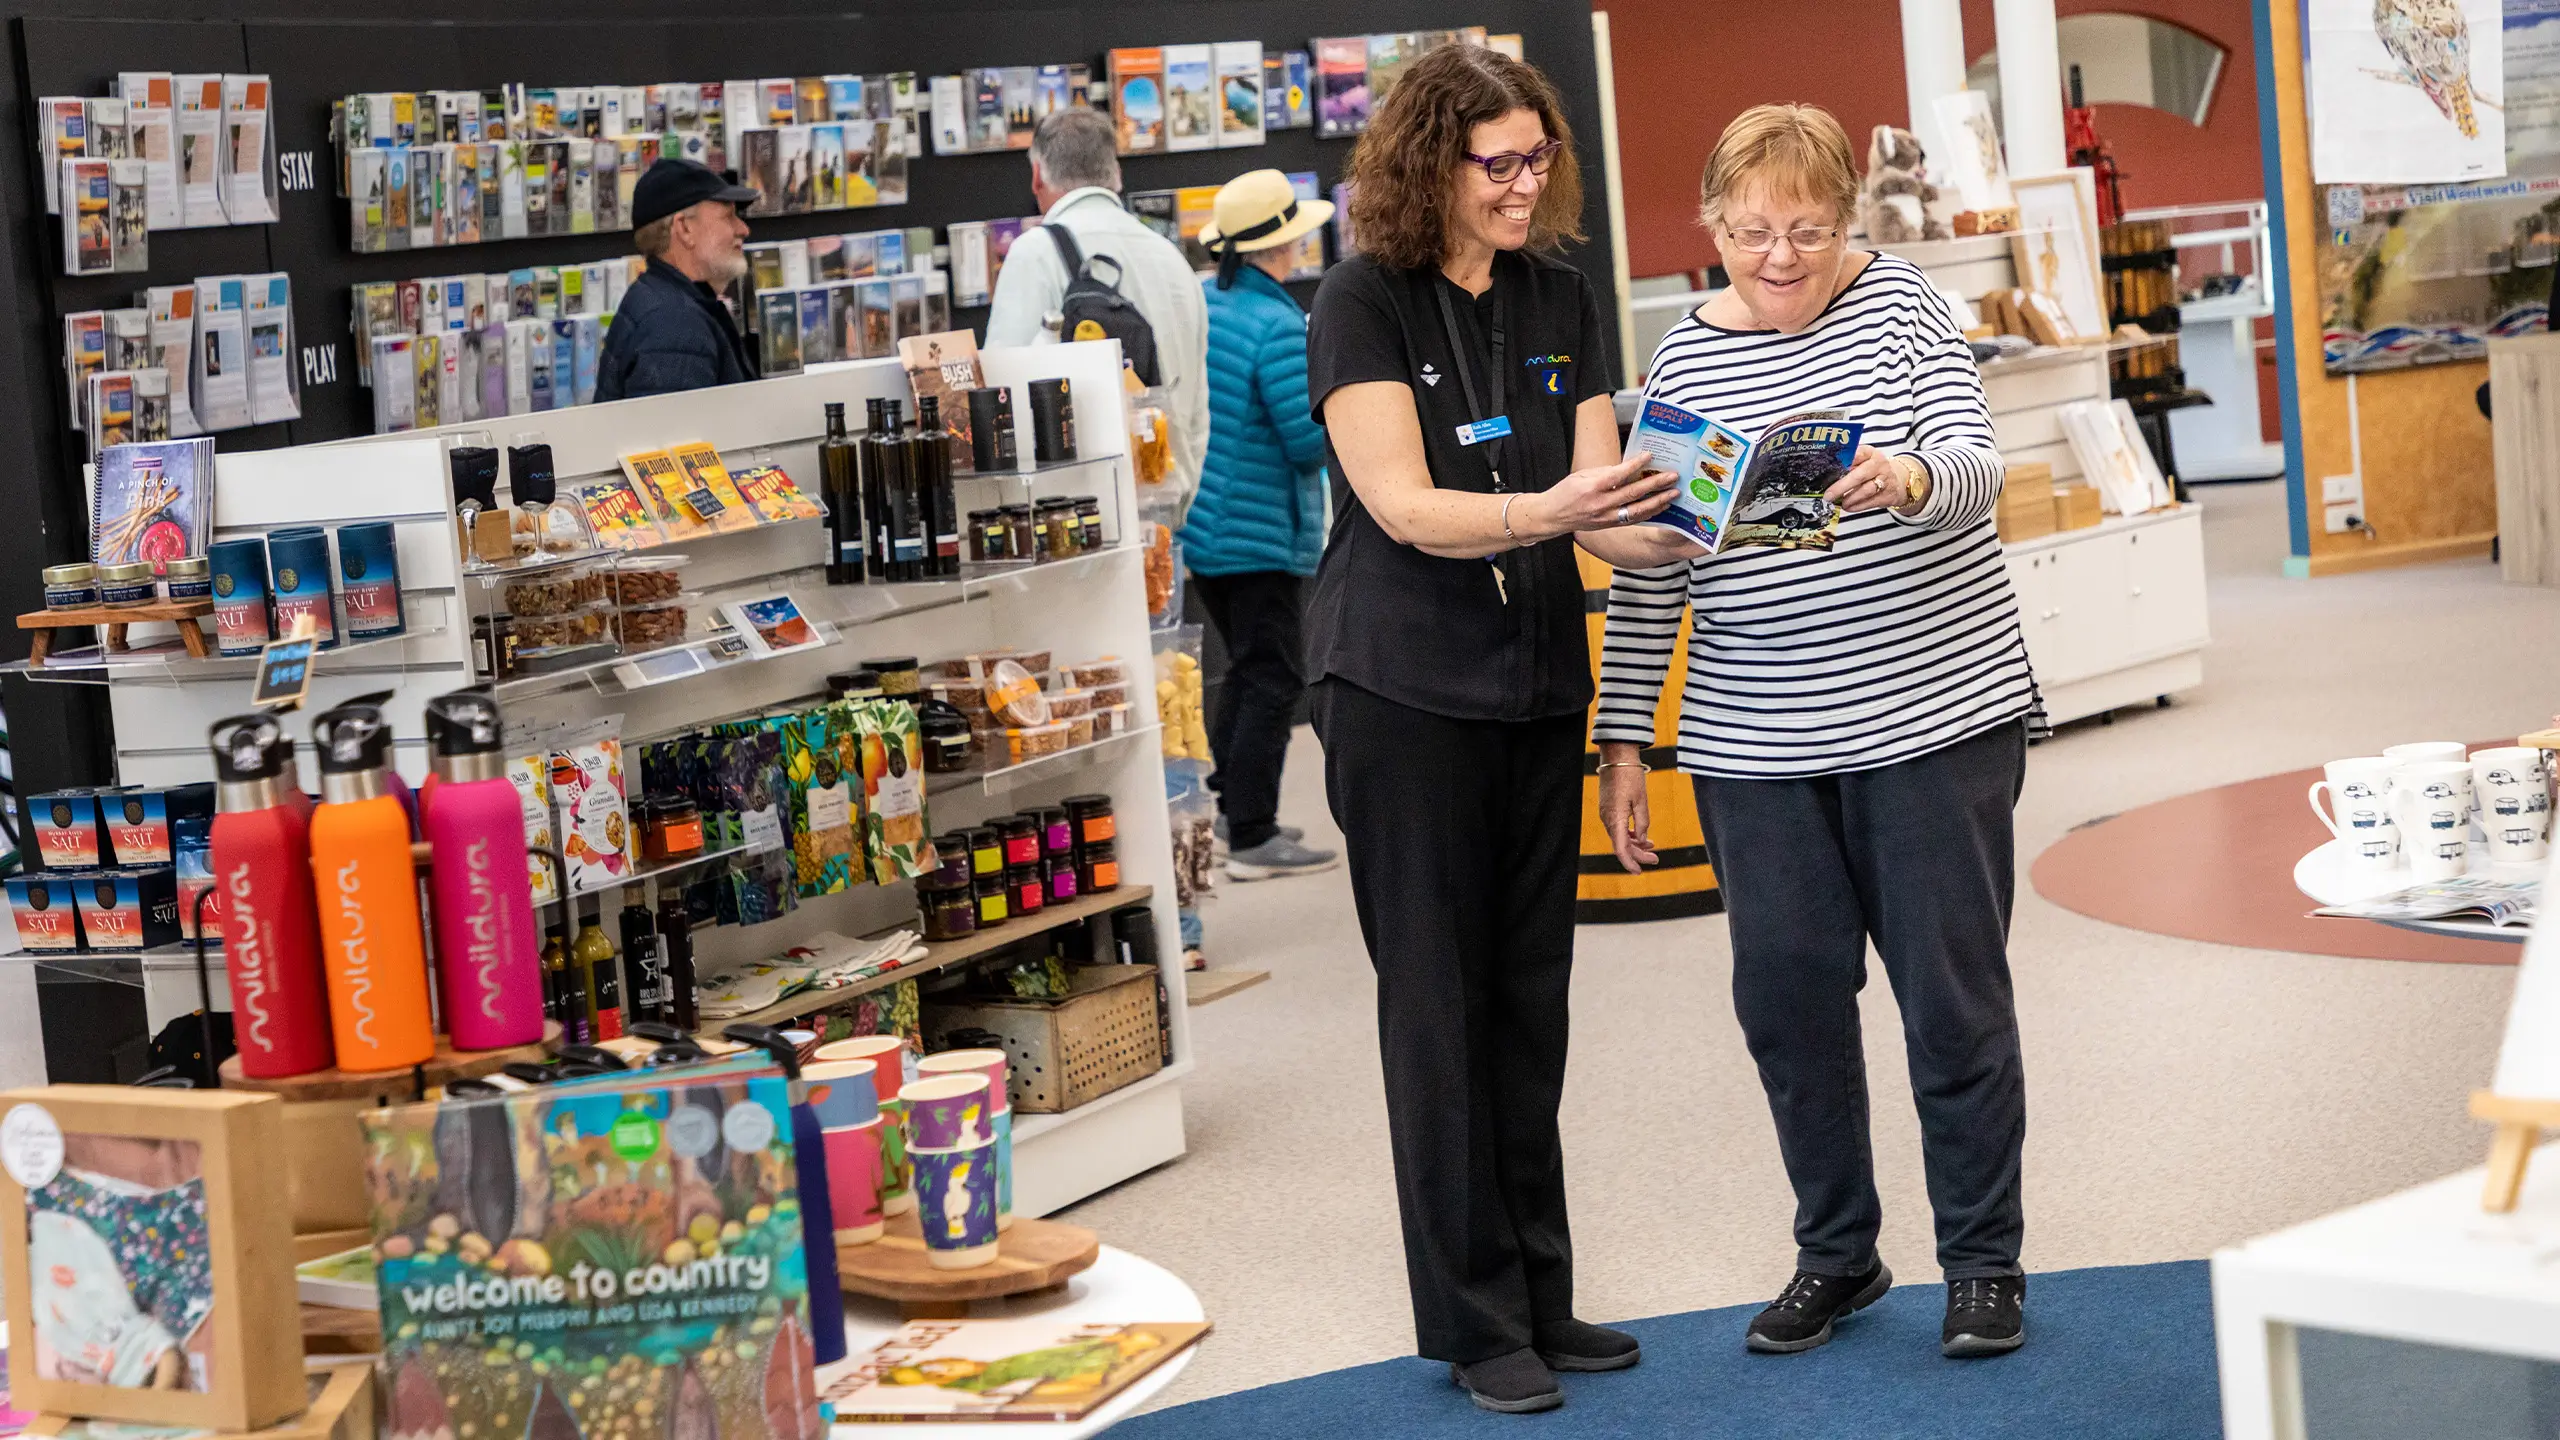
point(2111, 1354)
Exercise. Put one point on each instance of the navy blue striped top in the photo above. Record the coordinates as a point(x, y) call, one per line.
point(1899, 640)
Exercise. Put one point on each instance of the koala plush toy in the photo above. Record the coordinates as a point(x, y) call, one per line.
point(1895, 205)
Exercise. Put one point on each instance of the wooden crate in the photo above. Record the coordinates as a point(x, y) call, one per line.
point(1066, 1053)
point(2076, 507)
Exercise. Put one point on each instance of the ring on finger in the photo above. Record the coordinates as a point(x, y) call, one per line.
point(1622, 514)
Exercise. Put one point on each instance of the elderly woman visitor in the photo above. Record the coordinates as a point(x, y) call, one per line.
point(1855, 722)
point(1462, 378)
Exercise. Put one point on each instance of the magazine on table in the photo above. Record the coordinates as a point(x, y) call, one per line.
point(1014, 1370)
point(2465, 897)
point(1736, 491)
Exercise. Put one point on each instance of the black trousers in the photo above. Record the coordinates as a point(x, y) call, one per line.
point(1917, 856)
point(1258, 617)
point(1462, 838)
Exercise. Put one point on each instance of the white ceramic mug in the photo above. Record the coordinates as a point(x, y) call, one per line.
point(2360, 795)
point(2427, 750)
point(2514, 802)
point(2430, 801)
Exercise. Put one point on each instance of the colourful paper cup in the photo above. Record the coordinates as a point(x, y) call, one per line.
point(880, 1050)
point(956, 1206)
point(897, 1182)
point(990, 1063)
point(1004, 1169)
point(854, 1177)
point(946, 1112)
point(840, 1093)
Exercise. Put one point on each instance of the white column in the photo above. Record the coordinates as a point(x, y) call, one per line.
point(2030, 86)
point(1933, 64)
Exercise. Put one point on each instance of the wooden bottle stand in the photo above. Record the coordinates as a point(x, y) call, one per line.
point(112, 620)
point(1031, 1256)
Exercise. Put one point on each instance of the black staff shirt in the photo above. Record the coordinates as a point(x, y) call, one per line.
point(1421, 630)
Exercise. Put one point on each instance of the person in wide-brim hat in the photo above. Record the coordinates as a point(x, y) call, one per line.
point(1256, 212)
point(1257, 529)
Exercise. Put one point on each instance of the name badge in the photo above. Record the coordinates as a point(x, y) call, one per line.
point(1483, 430)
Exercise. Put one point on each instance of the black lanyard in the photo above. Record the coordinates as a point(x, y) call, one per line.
point(1462, 352)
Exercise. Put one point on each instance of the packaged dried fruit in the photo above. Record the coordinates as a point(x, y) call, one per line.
point(651, 626)
point(555, 589)
point(1067, 704)
point(645, 578)
point(587, 789)
point(1101, 670)
point(1029, 742)
point(896, 836)
point(585, 625)
point(1014, 696)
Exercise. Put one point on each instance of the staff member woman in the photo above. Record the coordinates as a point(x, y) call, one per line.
point(1464, 391)
point(1856, 720)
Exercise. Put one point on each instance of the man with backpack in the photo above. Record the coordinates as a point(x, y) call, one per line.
point(1111, 278)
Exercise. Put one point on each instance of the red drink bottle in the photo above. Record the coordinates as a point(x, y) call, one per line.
point(270, 930)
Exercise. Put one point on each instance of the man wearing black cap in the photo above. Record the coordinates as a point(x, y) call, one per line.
point(672, 333)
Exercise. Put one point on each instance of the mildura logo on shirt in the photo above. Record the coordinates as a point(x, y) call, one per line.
point(1550, 370)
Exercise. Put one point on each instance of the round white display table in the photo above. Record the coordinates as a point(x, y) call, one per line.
point(2330, 876)
point(1118, 1287)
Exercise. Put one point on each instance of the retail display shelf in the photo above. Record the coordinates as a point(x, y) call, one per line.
point(999, 779)
point(168, 663)
point(831, 610)
point(942, 955)
point(124, 967)
point(1028, 1127)
point(670, 867)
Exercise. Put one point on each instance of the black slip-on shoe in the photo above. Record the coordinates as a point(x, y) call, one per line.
point(1985, 1316)
point(1514, 1384)
point(1800, 1318)
point(1570, 1345)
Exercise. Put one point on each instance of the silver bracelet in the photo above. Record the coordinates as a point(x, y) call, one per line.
point(1506, 517)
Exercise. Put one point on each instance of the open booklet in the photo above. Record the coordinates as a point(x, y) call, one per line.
point(1736, 491)
point(2500, 902)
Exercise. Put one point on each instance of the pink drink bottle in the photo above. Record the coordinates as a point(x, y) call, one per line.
point(488, 953)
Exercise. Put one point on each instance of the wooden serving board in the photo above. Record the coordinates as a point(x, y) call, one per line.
point(1032, 1255)
point(399, 1086)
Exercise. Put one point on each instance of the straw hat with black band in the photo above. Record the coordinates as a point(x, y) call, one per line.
point(1258, 210)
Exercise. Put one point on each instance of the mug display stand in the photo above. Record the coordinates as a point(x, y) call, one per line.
point(1031, 1256)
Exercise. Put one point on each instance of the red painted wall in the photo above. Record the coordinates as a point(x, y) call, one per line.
point(1670, 111)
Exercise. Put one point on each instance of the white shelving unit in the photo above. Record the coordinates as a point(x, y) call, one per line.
point(2115, 613)
point(1079, 609)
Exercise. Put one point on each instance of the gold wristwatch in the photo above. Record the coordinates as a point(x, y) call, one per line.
point(1915, 479)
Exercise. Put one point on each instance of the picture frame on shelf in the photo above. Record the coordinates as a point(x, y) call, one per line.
point(166, 1251)
point(2056, 248)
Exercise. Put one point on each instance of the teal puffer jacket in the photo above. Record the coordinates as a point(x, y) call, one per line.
point(1261, 501)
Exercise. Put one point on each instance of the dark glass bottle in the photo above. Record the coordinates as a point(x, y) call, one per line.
point(675, 939)
point(898, 484)
point(875, 499)
point(842, 486)
point(644, 973)
point(942, 506)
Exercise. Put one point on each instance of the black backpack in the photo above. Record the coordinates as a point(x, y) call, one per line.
point(1094, 309)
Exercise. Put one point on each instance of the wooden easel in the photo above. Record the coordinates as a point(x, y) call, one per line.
point(2520, 1125)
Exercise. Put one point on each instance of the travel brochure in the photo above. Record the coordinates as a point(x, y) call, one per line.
point(460, 167)
point(1736, 491)
point(185, 359)
point(164, 152)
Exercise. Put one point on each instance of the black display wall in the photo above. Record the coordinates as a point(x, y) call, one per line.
point(329, 48)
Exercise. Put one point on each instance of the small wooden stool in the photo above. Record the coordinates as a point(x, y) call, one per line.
point(113, 619)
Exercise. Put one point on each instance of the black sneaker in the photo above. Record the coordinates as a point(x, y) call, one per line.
point(1573, 1345)
point(1987, 1316)
point(1800, 1318)
point(1513, 1384)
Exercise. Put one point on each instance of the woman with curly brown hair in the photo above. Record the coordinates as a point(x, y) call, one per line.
point(1462, 380)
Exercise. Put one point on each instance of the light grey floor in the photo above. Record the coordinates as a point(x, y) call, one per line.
point(2182, 1096)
